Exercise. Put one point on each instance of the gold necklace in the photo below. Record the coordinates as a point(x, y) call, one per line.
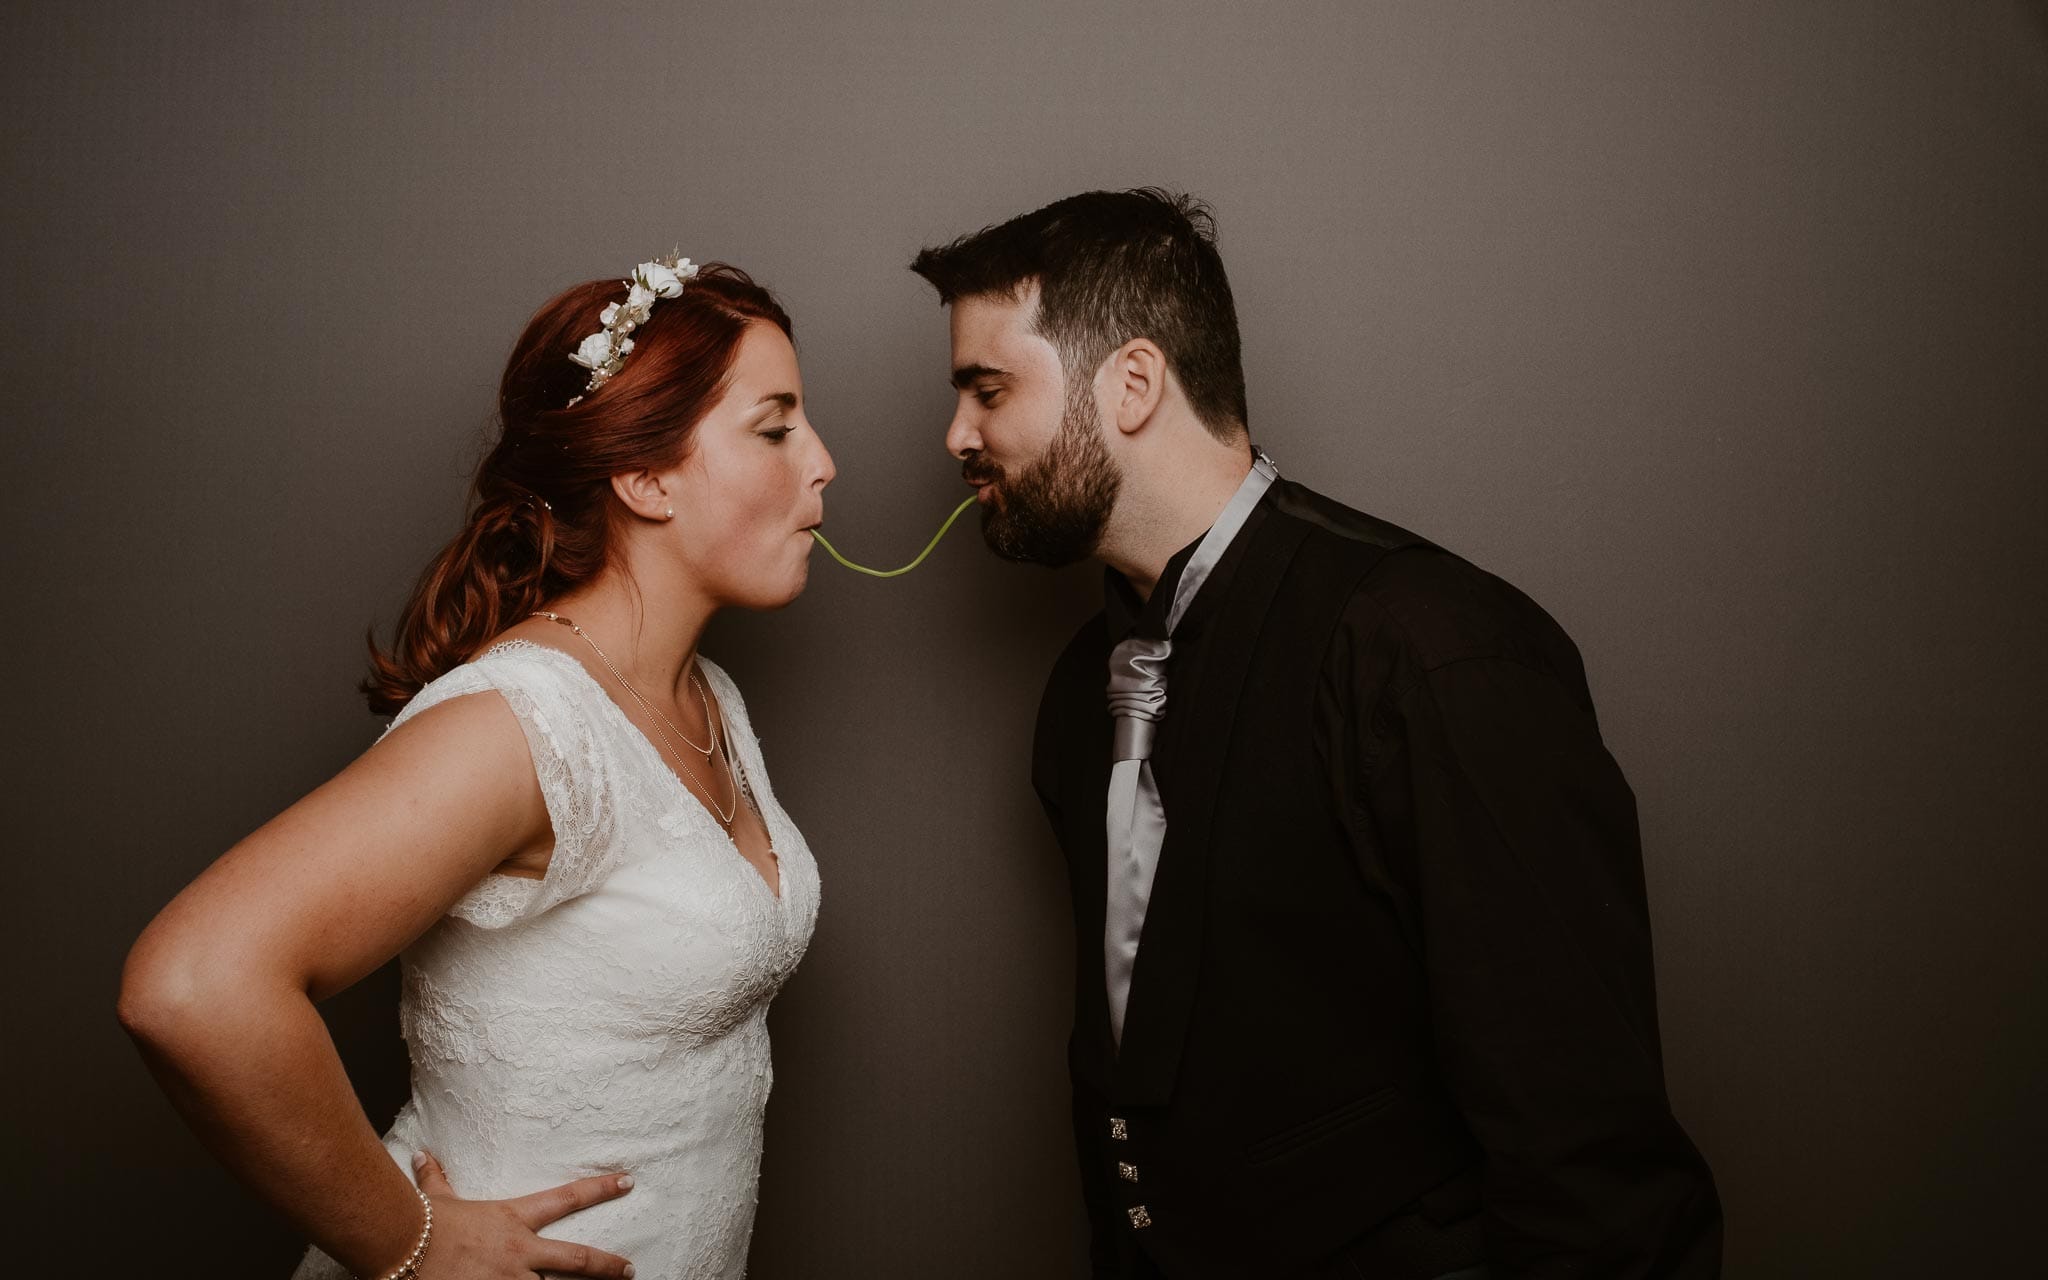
point(724, 815)
point(709, 726)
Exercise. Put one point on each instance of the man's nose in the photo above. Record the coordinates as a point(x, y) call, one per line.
point(961, 436)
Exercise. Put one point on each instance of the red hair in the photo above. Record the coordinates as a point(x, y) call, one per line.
point(542, 509)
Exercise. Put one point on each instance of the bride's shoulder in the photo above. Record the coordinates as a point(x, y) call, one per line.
point(516, 653)
point(525, 673)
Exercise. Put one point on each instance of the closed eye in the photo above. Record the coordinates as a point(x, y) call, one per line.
point(988, 396)
point(778, 434)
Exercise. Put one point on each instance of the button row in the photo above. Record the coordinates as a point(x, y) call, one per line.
point(1121, 1132)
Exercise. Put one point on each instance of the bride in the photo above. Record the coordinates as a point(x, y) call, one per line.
point(567, 833)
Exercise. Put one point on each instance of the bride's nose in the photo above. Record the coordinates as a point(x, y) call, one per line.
point(823, 470)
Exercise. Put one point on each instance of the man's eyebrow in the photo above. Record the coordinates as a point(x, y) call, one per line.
point(968, 374)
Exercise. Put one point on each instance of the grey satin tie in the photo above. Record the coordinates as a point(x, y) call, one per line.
point(1136, 821)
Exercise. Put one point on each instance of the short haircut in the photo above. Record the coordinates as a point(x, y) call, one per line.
point(1112, 266)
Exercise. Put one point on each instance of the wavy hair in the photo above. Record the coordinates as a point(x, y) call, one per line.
point(542, 515)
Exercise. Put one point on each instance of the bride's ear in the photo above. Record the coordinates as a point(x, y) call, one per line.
point(645, 494)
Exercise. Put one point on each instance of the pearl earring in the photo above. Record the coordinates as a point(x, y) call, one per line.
point(671, 514)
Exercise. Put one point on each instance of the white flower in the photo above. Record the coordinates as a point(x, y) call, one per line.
point(621, 318)
point(658, 279)
point(595, 351)
point(604, 352)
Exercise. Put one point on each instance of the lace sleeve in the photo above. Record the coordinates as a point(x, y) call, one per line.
point(569, 764)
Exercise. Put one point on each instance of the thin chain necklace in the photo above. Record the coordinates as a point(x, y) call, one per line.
point(709, 726)
point(724, 815)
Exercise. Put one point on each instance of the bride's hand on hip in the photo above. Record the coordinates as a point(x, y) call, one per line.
point(494, 1239)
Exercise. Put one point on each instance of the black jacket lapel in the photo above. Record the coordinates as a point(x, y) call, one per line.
point(1169, 951)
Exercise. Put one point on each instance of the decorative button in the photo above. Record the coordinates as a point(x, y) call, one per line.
point(1117, 1129)
point(1139, 1218)
point(1128, 1172)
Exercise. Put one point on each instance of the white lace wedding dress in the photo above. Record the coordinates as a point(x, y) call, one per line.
point(611, 1016)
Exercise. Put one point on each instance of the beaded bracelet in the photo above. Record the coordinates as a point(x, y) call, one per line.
point(410, 1268)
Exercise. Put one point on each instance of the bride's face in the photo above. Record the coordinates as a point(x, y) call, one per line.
point(753, 485)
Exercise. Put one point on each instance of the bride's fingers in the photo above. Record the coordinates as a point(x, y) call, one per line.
point(433, 1179)
point(559, 1257)
point(542, 1207)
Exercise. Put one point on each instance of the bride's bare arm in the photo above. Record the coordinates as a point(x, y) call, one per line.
point(219, 990)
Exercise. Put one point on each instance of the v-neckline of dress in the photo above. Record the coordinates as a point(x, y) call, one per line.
point(653, 758)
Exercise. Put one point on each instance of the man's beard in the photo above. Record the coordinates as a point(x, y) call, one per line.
point(1054, 511)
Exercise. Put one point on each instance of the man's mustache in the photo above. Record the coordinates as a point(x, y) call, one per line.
point(980, 473)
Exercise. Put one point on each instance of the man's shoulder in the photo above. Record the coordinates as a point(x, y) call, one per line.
point(1337, 532)
point(1437, 605)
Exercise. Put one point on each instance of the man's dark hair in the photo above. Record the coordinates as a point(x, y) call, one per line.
point(1112, 266)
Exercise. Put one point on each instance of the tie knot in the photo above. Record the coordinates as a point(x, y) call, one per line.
point(1137, 677)
point(1137, 693)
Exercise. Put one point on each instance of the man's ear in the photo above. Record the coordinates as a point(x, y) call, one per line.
point(645, 494)
point(1133, 383)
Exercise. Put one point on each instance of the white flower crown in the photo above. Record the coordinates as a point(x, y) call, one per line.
point(604, 352)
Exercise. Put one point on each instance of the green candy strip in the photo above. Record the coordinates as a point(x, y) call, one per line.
point(894, 573)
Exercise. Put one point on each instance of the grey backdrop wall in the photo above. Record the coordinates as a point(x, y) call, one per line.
point(1719, 328)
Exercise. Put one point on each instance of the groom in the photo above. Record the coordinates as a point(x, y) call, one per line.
point(1363, 981)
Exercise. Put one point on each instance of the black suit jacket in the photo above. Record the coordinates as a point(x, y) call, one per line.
point(1393, 999)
